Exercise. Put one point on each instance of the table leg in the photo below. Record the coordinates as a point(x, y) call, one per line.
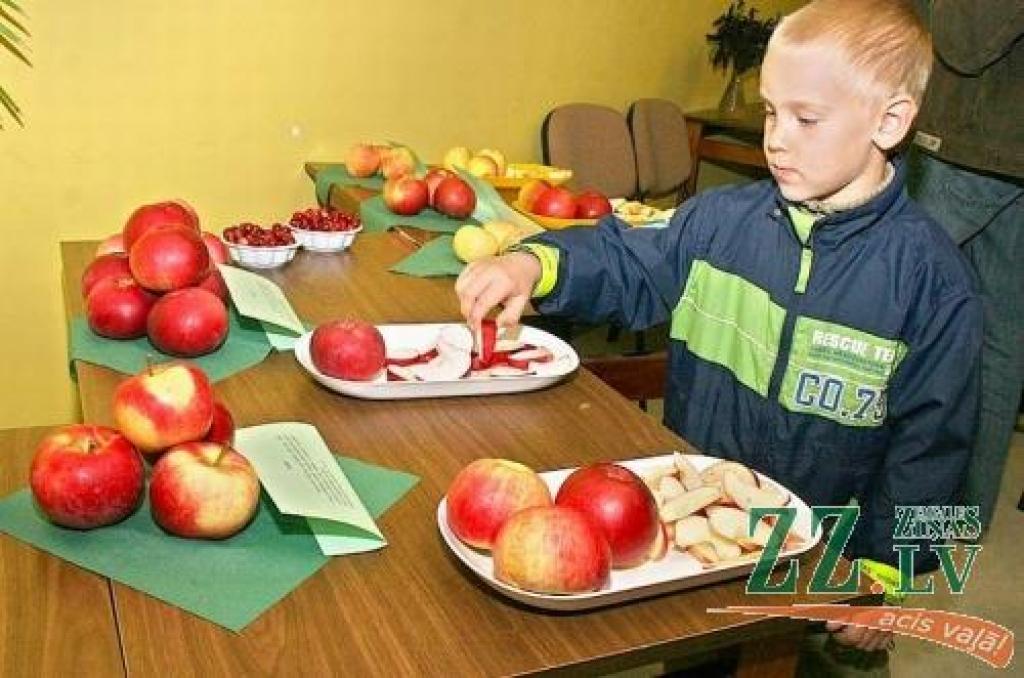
point(694, 133)
point(774, 656)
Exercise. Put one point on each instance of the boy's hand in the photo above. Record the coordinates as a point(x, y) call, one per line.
point(860, 637)
point(507, 280)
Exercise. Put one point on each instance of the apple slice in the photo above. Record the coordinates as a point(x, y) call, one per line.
point(688, 473)
point(692, 530)
point(446, 367)
point(670, 488)
point(747, 496)
point(454, 339)
point(402, 355)
point(508, 345)
point(688, 503)
point(750, 556)
point(704, 552)
point(659, 547)
point(654, 476)
point(401, 373)
point(713, 474)
point(732, 523)
point(726, 549)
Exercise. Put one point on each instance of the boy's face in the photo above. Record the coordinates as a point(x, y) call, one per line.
point(818, 131)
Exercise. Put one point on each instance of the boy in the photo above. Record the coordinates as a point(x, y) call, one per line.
point(824, 330)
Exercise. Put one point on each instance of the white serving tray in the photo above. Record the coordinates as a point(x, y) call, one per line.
point(677, 571)
point(423, 337)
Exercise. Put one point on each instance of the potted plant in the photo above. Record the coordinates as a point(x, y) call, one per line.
point(738, 43)
point(12, 34)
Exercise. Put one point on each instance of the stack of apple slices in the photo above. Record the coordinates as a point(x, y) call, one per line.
point(705, 513)
point(456, 354)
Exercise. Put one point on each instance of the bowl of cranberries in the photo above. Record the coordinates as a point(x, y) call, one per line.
point(323, 230)
point(252, 246)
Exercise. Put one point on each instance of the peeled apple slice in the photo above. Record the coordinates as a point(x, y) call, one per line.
point(747, 496)
point(688, 503)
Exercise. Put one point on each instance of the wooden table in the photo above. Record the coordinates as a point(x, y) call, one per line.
point(746, 128)
point(411, 609)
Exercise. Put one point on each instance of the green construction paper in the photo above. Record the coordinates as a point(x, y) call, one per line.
point(259, 298)
point(337, 174)
point(246, 345)
point(433, 259)
point(282, 342)
point(229, 582)
point(377, 217)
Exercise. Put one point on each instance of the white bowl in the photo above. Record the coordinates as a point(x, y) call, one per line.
point(253, 256)
point(324, 241)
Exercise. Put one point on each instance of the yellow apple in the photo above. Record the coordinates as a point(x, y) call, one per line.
point(504, 232)
point(457, 157)
point(497, 156)
point(482, 166)
point(472, 243)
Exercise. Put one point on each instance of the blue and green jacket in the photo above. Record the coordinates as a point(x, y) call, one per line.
point(844, 365)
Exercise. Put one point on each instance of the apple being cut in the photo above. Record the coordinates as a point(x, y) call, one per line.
point(620, 505)
point(551, 549)
point(348, 349)
point(405, 195)
point(169, 259)
point(188, 323)
point(86, 476)
point(488, 492)
point(454, 198)
point(118, 308)
point(203, 490)
point(164, 405)
point(158, 215)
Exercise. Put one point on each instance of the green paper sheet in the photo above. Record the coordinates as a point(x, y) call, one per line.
point(246, 345)
point(228, 582)
point(337, 174)
point(434, 259)
point(377, 217)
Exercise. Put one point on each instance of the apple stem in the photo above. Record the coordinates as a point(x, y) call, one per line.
point(219, 455)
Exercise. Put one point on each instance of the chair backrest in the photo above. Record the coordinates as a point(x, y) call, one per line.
point(662, 146)
point(636, 377)
point(594, 142)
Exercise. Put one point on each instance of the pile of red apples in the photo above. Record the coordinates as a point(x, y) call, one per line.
point(539, 197)
point(158, 278)
point(85, 476)
point(404, 192)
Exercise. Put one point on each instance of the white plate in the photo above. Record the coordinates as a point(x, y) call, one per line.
point(677, 571)
point(423, 337)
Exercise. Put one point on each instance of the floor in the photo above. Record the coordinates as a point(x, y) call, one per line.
point(994, 590)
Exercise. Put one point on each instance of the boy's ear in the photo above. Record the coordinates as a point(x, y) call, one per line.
point(898, 115)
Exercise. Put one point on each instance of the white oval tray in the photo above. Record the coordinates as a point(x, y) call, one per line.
point(677, 571)
point(422, 337)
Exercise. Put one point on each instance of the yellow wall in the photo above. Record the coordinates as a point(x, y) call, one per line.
point(221, 101)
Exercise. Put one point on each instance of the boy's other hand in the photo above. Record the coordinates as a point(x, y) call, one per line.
point(860, 637)
point(507, 280)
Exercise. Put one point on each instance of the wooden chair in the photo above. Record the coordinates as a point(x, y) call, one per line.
point(662, 147)
point(594, 142)
point(636, 377)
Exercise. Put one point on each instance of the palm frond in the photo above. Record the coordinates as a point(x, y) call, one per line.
point(12, 108)
point(11, 32)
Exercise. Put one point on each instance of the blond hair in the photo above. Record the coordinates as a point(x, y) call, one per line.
point(884, 42)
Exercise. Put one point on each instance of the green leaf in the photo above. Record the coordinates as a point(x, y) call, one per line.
point(13, 49)
point(9, 18)
point(12, 108)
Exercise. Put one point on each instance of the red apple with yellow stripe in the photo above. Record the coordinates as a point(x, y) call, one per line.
point(203, 490)
point(164, 405)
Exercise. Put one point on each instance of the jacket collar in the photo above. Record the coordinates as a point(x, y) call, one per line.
point(833, 229)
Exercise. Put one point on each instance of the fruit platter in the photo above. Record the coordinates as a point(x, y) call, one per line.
point(388, 362)
point(625, 530)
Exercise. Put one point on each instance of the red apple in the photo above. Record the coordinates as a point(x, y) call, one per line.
point(592, 205)
point(216, 248)
point(203, 490)
point(348, 349)
point(222, 430)
point(619, 504)
point(164, 405)
point(530, 191)
point(455, 198)
point(86, 476)
point(486, 493)
point(104, 266)
point(555, 202)
point(169, 259)
point(435, 176)
point(405, 195)
point(159, 215)
point(118, 308)
point(214, 282)
point(396, 162)
point(551, 549)
point(112, 244)
point(362, 160)
point(188, 323)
